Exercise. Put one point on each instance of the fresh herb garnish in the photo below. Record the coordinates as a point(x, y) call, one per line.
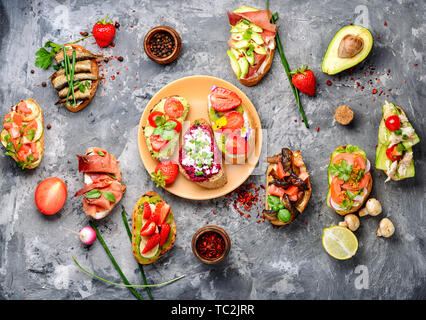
point(342, 171)
point(109, 196)
point(159, 178)
point(101, 153)
point(274, 203)
point(93, 194)
point(398, 132)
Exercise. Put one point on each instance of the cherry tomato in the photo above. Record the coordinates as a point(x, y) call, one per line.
point(234, 120)
point(178, 125)
point(393, 154)
point(50, 195)
point(393, 123)
point(157, 142)
point(235, 144)
point(173, 108)
point(222, 99)
point(152, 116)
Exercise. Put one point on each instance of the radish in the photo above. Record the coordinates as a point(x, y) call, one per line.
point(87, 235)
point(368, 166)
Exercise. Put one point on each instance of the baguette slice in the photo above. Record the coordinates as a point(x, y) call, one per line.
point(137, 223)
point(85, 54)
point(217, 180)
point(39, 142)
point(300, 205)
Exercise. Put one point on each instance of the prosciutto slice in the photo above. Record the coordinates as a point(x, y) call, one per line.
point(95, 162)
point(101, 204)
point(261, 18)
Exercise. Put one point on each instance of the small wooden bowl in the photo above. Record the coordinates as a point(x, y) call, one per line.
point(176, 38)
point(222, 233)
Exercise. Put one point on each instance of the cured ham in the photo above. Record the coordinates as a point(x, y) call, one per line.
point(103, 188)
point(261, 18)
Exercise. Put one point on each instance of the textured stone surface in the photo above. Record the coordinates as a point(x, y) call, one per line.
point(264, 262)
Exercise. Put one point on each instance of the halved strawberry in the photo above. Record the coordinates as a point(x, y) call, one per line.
point(161, 212)
point(152, 242)
point(164, 233)
point(148, 229)
point(146, 211)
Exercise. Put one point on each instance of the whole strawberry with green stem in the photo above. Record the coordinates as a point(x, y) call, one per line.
point(104, 32)
point(304, 80)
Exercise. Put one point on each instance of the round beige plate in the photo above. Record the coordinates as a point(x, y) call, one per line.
point(195, 90)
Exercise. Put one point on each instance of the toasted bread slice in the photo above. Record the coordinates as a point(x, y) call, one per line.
point(300, 205)
point(252, 81)
point(217, 180)
point(83, 54)
point(359, 205)
point(137, 223)
point(39, 135)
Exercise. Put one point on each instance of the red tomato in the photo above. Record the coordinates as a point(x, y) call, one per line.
point(222, 99)
point(24, 151)
point(393, 123)
point(354, 159)
point(361, 184)
point(157, 142)
point(336, 190)
point(280, 170)
point(393, 154)
point(173, 108)
point(22, 108)
point(234, 120)
point(50, 195)
point(152, 116)
point(178, 125)
point(275, 191)
point(235, 144)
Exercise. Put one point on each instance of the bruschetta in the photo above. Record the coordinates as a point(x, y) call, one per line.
point(349, 179)
point(153, 228)
point(83, 70)
point(394, 153)
point(231, 125)
point(23, 134)
point(288, 187)
point(163, 127)
point(102, 182)
point(200, 160)
point(252, 44)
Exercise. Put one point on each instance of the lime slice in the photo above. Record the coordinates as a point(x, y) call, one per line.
point(339, 242)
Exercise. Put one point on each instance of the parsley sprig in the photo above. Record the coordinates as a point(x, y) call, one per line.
point(342, 170)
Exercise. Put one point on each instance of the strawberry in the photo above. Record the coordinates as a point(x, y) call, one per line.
point(304, 80)
point(161, 212)
point(165, 173)
point(104, 32)
point(148, 229)
point(164, 233)
point(146, 211)
point(152, 242)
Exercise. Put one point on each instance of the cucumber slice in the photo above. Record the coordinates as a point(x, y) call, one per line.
point(244, 9)
point(255, 28)
point(258, 49)
point(241, 26)
point(241, 44)
point(237, 36)
point(257, 38)
point(234, 64)
point(249, 57)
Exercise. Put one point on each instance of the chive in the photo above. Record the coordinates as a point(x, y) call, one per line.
point(101, 240)
point(287, 67)
point(72, 76)
point(129, 233)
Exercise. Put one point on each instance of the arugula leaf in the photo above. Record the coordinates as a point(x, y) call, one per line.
point(159, 121)
point(109, 196)
point(342, 171)
point(93, 194)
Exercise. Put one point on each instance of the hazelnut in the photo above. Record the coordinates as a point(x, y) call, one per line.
point(343, 114)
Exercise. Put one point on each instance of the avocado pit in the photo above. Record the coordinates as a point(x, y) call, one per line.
point(350, 46)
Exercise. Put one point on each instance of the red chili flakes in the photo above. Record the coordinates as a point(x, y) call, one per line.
point(247, 198)
point(210, 245)
point(329, 83)
point(317, 128)
point(374, 91)
point(378, 36)
point(214, 212)
point(389, 89)
point(385, 24)
point(415, 64)
point(295, 120)
point(112, 77)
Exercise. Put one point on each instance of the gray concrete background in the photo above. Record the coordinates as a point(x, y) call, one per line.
point(264, 262)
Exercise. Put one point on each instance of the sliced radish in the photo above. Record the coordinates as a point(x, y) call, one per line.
point(368, 166)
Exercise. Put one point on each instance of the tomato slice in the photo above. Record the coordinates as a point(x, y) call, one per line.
point(393, 123)
point(275, 191)
point(22, 108)
point(152, 116)
point(173, 108)
point(157, 142)
point(361, 184)
point(336, 190)
point(393, 154)
point(235, 144)
point(50, 195)
point(234, 120)
point(222, 99)
point(178, 125)
point(24, 152)
point(355, 159)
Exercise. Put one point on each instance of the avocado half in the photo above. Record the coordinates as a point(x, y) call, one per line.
point(349, 46)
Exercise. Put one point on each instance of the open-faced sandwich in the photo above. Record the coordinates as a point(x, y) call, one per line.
point(200, 160)
point(163, 127)
point(394, 154)
point(102, 178)
point(77, 77)
point(23, 134)
point(231, 125)
point(153, 228)
point(349, 179)
point(288, 187)
point(252, 43)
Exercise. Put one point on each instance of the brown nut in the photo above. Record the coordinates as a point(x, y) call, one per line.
point(343, 114)
point(350, 46)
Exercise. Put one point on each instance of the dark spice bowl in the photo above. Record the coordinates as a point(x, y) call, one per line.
point(156, 54)
point(202, 248)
